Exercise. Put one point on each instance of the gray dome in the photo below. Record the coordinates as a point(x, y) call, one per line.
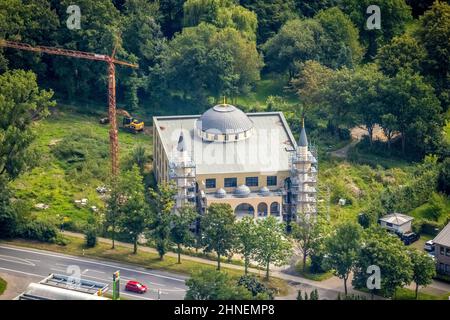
point(221, 193)
point(225, 119)
point(242, 191)
point(264, 191)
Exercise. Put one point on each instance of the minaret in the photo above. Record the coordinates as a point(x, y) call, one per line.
point(182, 171)
point(303, 173)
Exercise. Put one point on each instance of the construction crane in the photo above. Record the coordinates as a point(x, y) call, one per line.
point(111, 61)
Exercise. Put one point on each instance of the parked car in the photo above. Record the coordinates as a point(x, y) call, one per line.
point(136, 286)
point(409, 237)
point(429, 246)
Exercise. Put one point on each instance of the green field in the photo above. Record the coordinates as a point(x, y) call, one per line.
point(72, 161)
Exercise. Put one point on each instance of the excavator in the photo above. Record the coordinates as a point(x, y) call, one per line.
point(129, 123)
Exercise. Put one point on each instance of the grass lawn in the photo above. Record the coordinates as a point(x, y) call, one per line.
point(408, 294)
point(144, 259)
point(73, 160)
point(3, 286)
point(310, 275)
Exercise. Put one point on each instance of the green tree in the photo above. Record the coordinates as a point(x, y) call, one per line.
point(343, 249)
point(215, 285)
point(289, 45)
point(246, 240)
point(180, 232)
point(271, 15)
point(133, 208)
point(401, 52)
point(273, 245)
point(342, 47)
point(444, 177)
point(222, 14)
point(434, 34)
point(395, 14)
point(310, 8)
point(424, 269)
point(389, 254)
point(21, 103)
point(8, 216)
point(218, 230)
point(171, 16)
point(162, 205)
point(306, 231)
point(207, 61)
point(414, 109)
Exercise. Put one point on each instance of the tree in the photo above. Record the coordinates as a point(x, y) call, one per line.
point(306, 231)
point(433, 34)
point(310, 77)
point(289, 45)
point(171, 16)
point(246, 240)
point(444, 177)
point(342, 47)
point(21, 103)
point(401, 52)
point(389, 254)
point(100, 32)
point(218, 230)
point(271, 15)
point(180, 232)
point(207, 61)
point(424, 269)
point(215, 285)
point(414, 109)
point(310, 8)
point(222, 14)
point(395, 14)
point(139, 158)
point(133, 208)
point(366, 101)
point(162, 205)
point(343, 249)
point(8, 216)
point(112, 213)
point(273, 245)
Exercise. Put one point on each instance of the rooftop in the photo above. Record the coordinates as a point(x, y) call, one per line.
point(443, 238)
point(396, 218)
point(267, 150)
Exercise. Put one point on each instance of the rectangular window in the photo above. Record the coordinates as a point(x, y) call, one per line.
point(389, 224)
point(447, 268)
point(447, 252)
point(251, 181)
point(441, 250)
point(271, 181)
point(210, 183)
point(230, 182)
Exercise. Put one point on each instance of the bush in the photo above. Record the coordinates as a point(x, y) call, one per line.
point(39, 230)
point(91, 238)
point(255, 286)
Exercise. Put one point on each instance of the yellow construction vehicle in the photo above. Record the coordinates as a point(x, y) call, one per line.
point(129, 123)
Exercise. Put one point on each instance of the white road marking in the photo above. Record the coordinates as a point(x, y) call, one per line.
point(135, 296)
point(96, 271)
point(92, 262)
point(21, 272)
point(16, 260)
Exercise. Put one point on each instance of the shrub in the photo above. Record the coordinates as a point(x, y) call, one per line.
point(255, 286)
point(91, 238)
point(38, 230)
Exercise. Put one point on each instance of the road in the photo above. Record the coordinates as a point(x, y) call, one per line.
point(34, 265)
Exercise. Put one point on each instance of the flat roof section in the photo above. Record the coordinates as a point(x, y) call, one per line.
point(266, 151)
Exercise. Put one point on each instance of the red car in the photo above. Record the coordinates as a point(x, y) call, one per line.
point(136, 286)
